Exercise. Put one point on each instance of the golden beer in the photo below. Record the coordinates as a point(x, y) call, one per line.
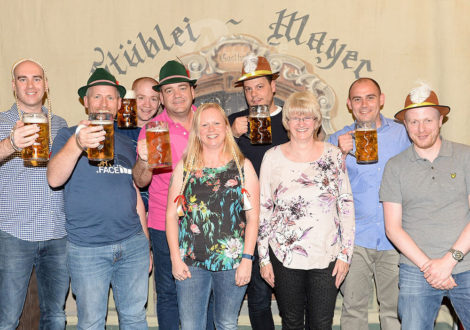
point(158, 144)
point(105, 151)
point(260, 130)
point(39, 151)
point(127, 114)
point(366, 146)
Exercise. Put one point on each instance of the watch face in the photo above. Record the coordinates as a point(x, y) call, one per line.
point(458, 255)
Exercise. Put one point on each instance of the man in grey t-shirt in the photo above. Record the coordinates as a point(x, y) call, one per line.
point(425, 192)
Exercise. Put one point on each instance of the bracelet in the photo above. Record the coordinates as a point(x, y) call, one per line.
point(12, 141)
point(248, 256)
point(79, 127)
point(264, 263)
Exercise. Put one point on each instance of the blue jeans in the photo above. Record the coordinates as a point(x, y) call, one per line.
point(17, 258)
point(419, 302)
point(259, 299)
point(167, 301)
point(124, 266)
point(194, 294)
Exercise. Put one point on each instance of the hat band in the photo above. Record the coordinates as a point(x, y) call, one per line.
point(257, 73)
point(175, 76)
point(100, 81)
point(414, 105)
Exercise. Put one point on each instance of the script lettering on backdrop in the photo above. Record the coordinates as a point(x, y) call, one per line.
point(287, 27)
point(327, 53)
point(144, 48)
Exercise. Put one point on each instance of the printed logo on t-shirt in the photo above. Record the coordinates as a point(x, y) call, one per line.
point(120, 165)
point(116, 169)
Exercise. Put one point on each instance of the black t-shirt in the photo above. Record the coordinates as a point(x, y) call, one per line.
point(255, 152)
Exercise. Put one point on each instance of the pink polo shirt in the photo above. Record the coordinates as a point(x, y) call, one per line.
point(158, 189)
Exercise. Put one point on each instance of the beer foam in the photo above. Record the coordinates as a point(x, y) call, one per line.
point(35, 120)
point(130, 94)
point(365, 129)
point(259, 116)
point(102, 122)
point(157, 129)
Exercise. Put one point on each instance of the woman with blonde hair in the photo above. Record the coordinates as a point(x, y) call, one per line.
point(210, 225)
point(306, 233)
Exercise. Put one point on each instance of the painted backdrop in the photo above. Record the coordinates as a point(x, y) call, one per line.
point(317, 45)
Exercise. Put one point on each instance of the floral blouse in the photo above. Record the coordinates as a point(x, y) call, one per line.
point(307, 211)
point(211, 233)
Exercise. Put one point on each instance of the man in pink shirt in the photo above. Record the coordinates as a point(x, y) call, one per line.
point(176, 95)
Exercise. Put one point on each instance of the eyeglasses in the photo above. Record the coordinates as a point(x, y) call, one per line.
point(307, 120)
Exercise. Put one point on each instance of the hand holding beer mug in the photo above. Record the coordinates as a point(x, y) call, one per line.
point(260, 125)
point(39, 150)
point(158, 144)
point(127, 114)
point(366, 143)
point(105, 149)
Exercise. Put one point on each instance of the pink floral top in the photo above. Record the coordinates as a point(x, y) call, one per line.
point(307, 211)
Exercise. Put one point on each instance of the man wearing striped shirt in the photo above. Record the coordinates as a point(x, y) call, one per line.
point(32, 219)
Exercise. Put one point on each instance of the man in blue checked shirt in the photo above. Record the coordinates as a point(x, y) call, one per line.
point(374, 256)
point(32, 219)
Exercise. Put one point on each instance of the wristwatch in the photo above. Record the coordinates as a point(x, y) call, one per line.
point(456, 254)
point(248, 256)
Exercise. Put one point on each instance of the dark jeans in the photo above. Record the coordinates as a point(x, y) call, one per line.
point(259, 299)
point(167, 301)
point(298, 290)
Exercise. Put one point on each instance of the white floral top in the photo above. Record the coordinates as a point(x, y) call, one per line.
point(307, 211)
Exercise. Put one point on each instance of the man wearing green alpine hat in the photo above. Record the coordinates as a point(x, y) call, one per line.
point(107, 233)
point(176, 95)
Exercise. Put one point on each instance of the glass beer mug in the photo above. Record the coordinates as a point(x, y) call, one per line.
point(366, 143)
point(127, 114)
point(158, 144)
point(105, 151)
point(39, 151)
point(260, 125)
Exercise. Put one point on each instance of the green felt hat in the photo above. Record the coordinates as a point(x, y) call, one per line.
point(101, 77)
point(173, 72)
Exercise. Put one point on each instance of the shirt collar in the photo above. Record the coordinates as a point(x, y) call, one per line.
point(164, 115)
point(14, 108)
point(384, 122)
point(277, 111)
point(446, 150)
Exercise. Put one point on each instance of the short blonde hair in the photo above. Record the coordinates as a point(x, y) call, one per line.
point(301, 103)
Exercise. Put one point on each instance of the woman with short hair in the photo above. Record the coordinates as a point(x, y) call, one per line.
point(306, 233)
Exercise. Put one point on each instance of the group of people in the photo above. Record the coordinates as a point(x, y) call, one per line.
point(298, 217)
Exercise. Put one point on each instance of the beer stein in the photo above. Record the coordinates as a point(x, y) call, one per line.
point(127, 114)
point(366, 143)
point(39, 151)
point(158, 144)
point(260, 125)
point(105, 151)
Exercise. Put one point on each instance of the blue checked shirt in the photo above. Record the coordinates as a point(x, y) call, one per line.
point(29, 209)
point(365, 183)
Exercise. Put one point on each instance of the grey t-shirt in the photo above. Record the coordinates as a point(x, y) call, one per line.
point(434, 197)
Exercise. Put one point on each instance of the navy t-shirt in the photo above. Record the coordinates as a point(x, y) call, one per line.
point(100, 200)
point(133, 134)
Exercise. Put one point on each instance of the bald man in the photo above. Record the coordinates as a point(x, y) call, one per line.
point(148, 104)
point(32, 219)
